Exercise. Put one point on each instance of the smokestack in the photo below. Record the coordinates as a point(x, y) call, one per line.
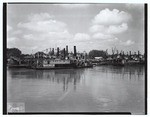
point(75, 51)
point(64, 53)
point(67, 50)
point(130, 53)
point(52, 53)
point(49, 51)
point(138, 53)
point(57, 51)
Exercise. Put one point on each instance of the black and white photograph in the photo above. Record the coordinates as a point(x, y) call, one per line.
point(76, 58)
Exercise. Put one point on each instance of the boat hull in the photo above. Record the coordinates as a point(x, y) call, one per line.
point(53, 68)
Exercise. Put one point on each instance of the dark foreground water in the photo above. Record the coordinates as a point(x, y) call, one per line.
point(98, 89)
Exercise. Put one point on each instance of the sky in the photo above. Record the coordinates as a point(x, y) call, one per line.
point(38, 27)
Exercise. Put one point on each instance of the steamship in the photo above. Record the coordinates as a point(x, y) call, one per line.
point(60, 60)
point(61, 64)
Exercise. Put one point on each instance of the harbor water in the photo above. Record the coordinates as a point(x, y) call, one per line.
point(97, 89)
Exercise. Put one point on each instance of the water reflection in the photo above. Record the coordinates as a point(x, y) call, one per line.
point(66, 77)
point(139, 69)
point(102, 88)
point(71, 76)
point(123, 73)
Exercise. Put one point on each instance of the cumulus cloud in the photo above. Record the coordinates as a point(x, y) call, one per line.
point(114, 17)
point(42, 22)
point(108, 27)
point(97, 28)
point(44, 26)
point(115, 29)
point(41, 28)
point(111, 29)
point(39, 17)
point(108, 23)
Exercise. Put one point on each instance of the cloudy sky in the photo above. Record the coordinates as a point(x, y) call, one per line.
point(36, 27)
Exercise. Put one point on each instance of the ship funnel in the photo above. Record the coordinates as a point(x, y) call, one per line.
point(75, 51)
point(67, 50)
point(138, 53)
point(57, 51)
point(130, 53)
point(52, 51)
point(64, 52)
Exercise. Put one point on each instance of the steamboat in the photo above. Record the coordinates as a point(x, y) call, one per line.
point(53, 60)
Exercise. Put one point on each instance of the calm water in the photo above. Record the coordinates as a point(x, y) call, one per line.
point(98, 89)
